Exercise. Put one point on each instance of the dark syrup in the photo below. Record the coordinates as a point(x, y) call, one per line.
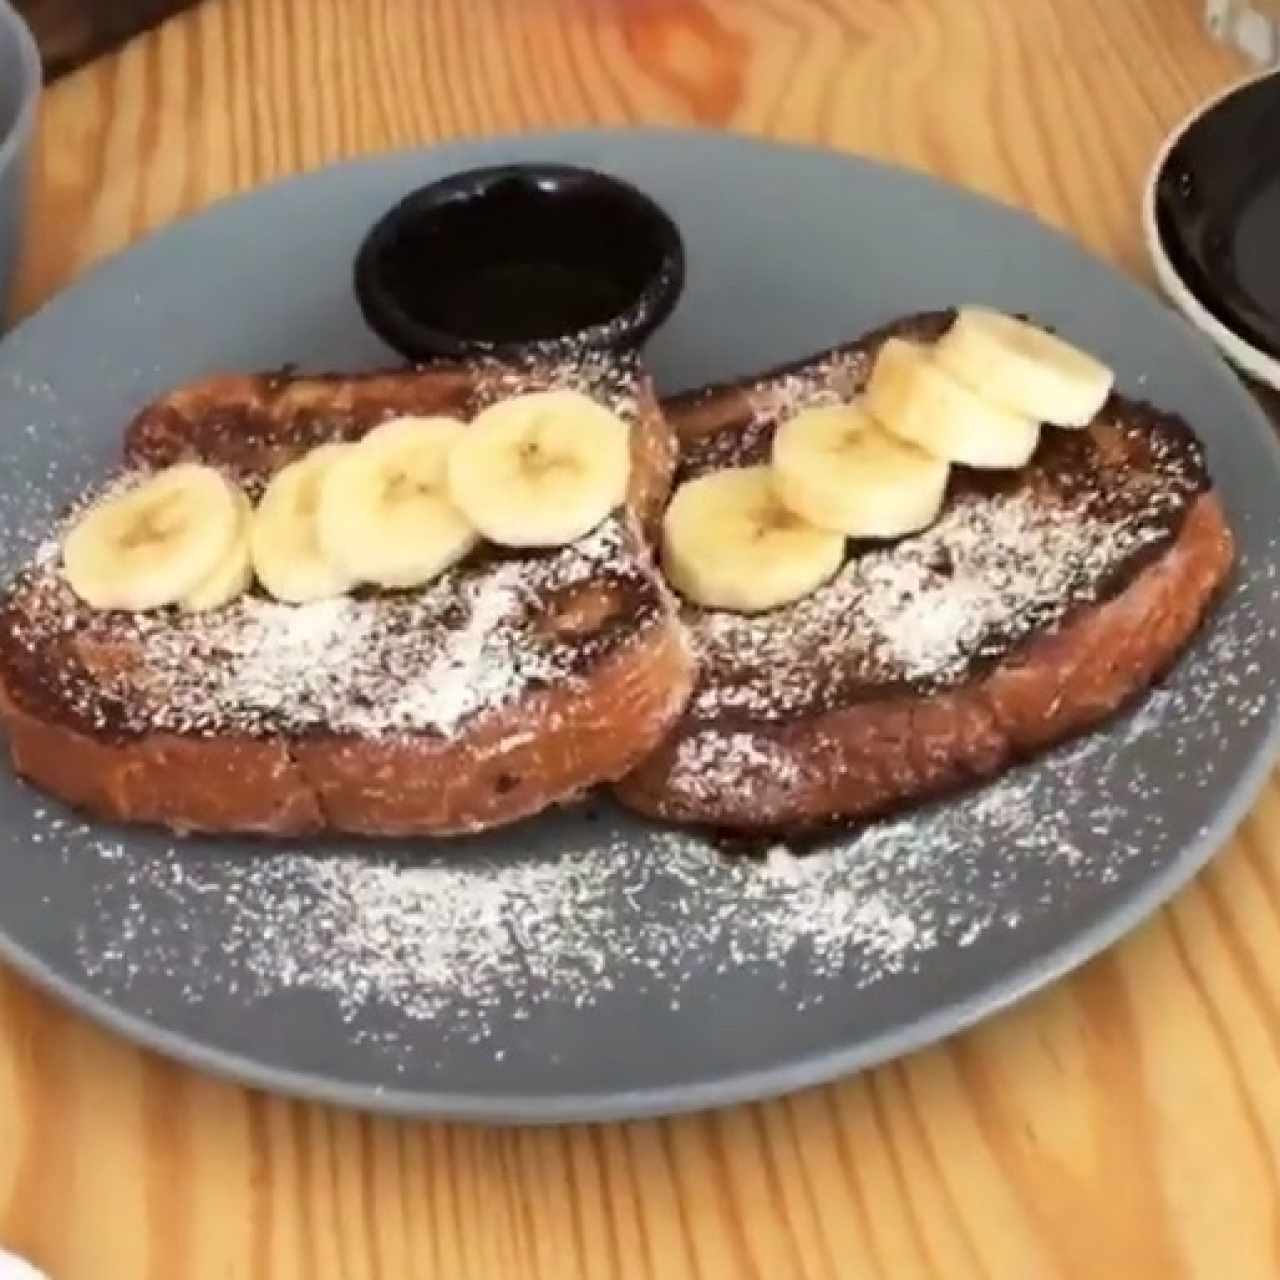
point(1217, 200)
point(526, 301)
point(1257, 249)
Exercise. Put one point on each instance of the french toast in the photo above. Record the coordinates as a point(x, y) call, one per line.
point(1040, 601)
point(515, 680)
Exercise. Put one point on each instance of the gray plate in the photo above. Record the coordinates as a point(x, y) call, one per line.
point(586, 965)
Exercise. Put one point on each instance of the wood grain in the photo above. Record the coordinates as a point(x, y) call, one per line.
point(1124, 1124)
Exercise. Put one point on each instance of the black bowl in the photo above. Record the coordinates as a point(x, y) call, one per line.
point(1217, 206)
point(546, 259)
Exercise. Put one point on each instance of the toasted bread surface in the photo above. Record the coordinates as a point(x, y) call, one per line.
point(514, 681)
point(1040, 602)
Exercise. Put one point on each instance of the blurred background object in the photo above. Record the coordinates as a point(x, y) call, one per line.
point(70, 32)
point(19, 89)
point(1252, 26)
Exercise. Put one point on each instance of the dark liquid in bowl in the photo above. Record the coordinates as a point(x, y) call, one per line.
point(1217, 204)
point(517, 301)
point(1257, 249)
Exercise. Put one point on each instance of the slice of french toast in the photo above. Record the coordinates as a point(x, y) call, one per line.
point(1041, 601)
point(514, 681)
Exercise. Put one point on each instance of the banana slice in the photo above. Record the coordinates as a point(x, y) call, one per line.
point(729, 543)
point(384, 514)
point(150, 546)
point(1025, 369)
point(540, 470)
point(839, 469)
point(282, 541)
point(919, 401)
point(233, 574)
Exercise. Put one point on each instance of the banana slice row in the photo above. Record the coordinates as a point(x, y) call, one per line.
point(417, 494)
point(979, 395)
point(395, 510)
point(761, 537)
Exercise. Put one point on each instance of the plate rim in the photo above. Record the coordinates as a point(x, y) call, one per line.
point(994, 995)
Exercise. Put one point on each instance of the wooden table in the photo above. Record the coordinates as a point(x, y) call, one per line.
point(1124, 1124)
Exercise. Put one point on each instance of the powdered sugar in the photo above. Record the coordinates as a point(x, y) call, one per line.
point(737, 766)
point(990, 572)
point(480, 667)
point(1007, 559)
point(829, 381)
point(507, 949)
point(539, 945)
point(609, 377)
point(276, 657)
point(475, 640)
point(989, 566)
point(479, 638)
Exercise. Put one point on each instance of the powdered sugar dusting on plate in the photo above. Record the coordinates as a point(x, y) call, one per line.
point(463, 942)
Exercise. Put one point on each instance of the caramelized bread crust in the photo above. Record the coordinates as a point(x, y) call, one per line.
point(1040, 602)
point(514, 682)
point(547, 748)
